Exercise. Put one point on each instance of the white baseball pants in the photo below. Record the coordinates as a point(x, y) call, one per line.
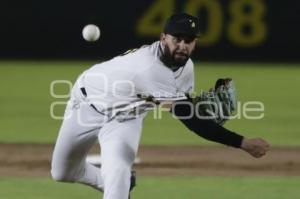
point(81, 128)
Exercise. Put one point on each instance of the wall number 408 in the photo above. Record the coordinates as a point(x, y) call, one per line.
point(242, 15)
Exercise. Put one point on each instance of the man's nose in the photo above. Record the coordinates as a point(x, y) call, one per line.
point(182, 45)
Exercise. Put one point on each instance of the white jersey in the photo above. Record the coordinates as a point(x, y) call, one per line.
point(120, 81)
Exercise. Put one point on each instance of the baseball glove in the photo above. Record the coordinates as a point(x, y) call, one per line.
point(217, 104)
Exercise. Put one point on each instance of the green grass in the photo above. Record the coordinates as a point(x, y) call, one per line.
point(25, 102)
point(26, 99)
point(161, 187)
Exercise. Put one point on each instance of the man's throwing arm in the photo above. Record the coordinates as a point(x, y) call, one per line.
point(205, 128)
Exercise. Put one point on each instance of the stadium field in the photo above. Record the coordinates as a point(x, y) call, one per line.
point(27, 135)
point(169, 187)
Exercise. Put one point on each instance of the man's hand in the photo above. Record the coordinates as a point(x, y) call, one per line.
point(256, 147)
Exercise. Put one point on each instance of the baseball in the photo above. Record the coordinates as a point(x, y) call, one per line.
point(91, 33)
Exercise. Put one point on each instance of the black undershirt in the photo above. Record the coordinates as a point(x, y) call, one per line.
point(207, 129)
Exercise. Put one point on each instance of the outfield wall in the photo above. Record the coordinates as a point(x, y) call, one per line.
point(232, 30)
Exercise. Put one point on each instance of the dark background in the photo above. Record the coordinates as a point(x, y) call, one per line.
point(37, 29)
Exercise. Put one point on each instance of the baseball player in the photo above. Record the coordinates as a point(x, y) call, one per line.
point(110, 100)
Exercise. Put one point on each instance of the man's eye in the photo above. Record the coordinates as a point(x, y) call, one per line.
point(178, 40)
point(189, 40)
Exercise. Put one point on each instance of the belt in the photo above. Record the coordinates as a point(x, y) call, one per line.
point(83, 91)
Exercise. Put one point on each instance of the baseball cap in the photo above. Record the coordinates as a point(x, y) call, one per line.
point(182, 24)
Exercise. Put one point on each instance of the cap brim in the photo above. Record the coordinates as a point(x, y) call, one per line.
point(184, 34)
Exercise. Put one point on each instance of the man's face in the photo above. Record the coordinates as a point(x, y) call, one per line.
point(177, 49)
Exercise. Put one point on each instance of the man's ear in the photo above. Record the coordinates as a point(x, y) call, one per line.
point(163, 38)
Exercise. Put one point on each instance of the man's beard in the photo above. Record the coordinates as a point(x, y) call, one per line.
point(170, 61)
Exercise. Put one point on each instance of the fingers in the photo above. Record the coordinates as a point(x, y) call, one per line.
point(260, 147)
point(258, 154)
point(263, 144)
point(256, 147)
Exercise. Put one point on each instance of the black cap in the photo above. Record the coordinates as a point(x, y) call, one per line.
point(182, 24)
